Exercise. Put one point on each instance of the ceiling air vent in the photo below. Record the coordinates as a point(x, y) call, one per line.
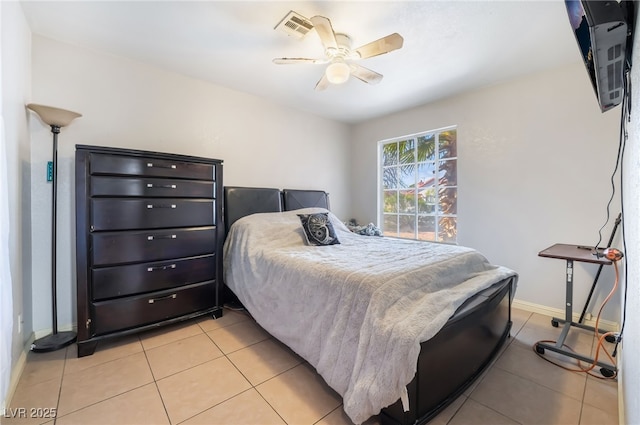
point(295, 25)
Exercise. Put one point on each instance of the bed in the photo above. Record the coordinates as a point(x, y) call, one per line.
point(398, 328)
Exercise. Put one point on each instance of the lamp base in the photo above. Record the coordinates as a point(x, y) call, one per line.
point(53, 342)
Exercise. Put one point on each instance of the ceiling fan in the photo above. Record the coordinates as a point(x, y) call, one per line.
point(340, 56)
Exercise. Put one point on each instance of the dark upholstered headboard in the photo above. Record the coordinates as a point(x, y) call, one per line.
point(241, 201)
point(294, 199)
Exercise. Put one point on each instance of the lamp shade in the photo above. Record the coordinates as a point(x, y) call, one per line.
point(338, 72)
point(54, 116)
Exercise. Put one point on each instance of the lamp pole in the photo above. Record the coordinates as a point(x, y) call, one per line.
point(56, 118)
point(55, 129)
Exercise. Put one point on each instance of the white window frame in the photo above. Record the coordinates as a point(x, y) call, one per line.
point(380, 186)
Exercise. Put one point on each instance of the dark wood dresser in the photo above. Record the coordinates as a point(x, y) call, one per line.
point(149, 234)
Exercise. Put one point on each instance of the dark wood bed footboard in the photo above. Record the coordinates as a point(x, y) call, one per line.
point(452, 360)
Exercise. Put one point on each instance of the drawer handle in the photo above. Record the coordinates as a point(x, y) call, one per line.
point(161, 186)
point(165, 267)
point(152, 165)
point(152, 237)
point(168, 297)
point(151, 206)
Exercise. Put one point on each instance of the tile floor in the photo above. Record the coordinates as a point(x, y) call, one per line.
point(230, 371)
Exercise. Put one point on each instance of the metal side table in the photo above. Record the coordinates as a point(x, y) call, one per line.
point(572, 253)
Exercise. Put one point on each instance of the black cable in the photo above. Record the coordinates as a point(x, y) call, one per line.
point(621, 137)
point(624, 239)
point(625, 116)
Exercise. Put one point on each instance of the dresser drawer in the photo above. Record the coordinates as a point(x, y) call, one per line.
point(130, 312)
point(118, 281)
point(123, 214)
point(151, 187)
point(111, 248)
point(140, 166)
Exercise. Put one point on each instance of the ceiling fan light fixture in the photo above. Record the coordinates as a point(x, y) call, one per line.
point(338, 72)
point(341, 58)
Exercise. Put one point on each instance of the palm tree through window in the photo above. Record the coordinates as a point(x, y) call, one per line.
point(419, 186)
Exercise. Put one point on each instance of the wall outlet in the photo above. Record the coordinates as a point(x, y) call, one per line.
point(19, 323)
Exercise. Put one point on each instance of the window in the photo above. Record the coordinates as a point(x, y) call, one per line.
point(419, 186)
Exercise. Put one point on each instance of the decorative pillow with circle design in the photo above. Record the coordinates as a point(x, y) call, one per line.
point(318, 229)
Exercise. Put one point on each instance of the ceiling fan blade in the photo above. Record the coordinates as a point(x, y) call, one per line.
point(365, 74)
point(323, 83)
point(286, 61)
point(325, 31)
point(381, 46)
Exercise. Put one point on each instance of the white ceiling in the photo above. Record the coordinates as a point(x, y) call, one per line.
point(449, 46)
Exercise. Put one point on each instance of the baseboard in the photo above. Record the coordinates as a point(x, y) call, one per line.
point(556, 312)
point(16, 372)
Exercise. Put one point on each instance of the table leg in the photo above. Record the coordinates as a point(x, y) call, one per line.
point(568, 313)
point(568, 322)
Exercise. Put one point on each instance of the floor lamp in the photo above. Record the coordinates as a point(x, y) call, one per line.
point(56, 118)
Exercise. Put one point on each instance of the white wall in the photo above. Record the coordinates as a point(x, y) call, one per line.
point(630, 378)
point(16, 87)
point(534, 161)
point(131, 105)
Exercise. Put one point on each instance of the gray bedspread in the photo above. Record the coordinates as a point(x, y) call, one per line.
point(356, 311)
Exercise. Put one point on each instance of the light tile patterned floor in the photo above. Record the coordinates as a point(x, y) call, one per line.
point(230, 371)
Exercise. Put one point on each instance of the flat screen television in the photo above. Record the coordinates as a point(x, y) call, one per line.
point(603, 30)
